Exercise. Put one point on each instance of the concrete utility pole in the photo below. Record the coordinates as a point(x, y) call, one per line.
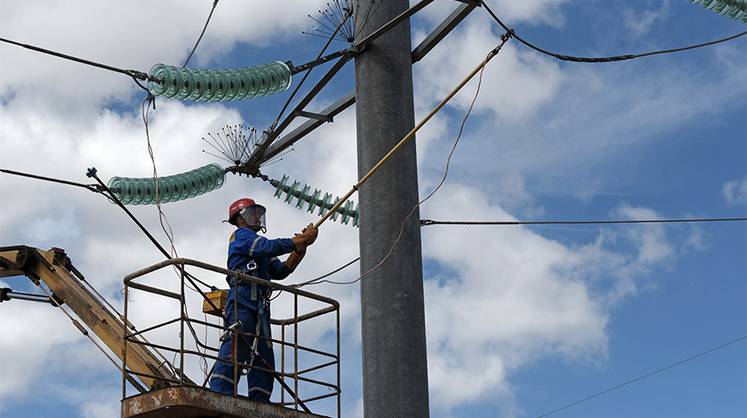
point(395, 375)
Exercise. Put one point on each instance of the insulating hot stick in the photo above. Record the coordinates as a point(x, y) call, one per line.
point(411, 134)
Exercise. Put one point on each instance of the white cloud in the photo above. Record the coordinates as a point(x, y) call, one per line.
point(735, 191)
point(515, 83)
point(133, 35)
point(546, 298)
point(506, 296)
point(639, 22)
point(513, 12)
point(31, 334)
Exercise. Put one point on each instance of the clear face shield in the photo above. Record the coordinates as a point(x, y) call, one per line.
point(254, 216)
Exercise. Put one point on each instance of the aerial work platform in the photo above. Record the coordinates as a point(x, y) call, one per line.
point(194, 402)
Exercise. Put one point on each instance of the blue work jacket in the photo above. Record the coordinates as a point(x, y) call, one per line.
point(246, 246)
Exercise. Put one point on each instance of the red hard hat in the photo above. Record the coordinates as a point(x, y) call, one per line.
point(236, 207)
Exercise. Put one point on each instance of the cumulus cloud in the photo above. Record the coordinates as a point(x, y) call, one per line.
point(515, 83)
point(735, 191)
point(126, 35)
point(546, 298)
point(504, 297)
point(639, 22)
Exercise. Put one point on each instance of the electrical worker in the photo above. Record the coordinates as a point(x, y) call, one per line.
point(253, 254)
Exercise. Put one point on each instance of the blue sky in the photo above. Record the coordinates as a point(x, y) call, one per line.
point(520, 320)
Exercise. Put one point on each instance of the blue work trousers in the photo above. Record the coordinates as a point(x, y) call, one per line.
point(259, 382)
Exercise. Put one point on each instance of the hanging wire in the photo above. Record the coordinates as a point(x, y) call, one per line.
point(613, 58)
point(162, 219)
point(319, 279)
point(639, 378)
point(212, 9)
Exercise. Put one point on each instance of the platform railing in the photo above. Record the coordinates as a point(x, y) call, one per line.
point(289, 370)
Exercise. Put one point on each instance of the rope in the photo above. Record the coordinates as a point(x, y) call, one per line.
point(504, 38)
point(481, 69)
point(613, 58)
point(215, 3)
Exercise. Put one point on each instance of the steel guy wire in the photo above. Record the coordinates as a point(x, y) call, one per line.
point(484, 63)
point(428, 222)
point(639, 378)
point(613, 58)
point(212, 9)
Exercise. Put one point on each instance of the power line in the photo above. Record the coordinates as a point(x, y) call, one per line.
point(136, 75)
point(639, 378)
point(428, 222)
point(613, 58)
point(91, 187)
point(215, 3)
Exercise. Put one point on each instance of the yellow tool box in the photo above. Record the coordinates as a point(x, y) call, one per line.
point(218, 298)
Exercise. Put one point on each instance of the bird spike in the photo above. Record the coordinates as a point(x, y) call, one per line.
point(288, 192)
point(233, 143)
point(340, 13)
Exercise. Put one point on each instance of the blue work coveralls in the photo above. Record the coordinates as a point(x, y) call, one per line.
point(256, 255)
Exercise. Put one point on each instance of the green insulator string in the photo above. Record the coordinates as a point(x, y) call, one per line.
point(142, 191)
point(735, 9)
point(219, 85)
point(303, 195)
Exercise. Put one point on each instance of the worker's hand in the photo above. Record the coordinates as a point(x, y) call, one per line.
point(311, 232)
point(305, 238)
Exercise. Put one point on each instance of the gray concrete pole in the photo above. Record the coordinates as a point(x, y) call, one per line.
point(395, 375)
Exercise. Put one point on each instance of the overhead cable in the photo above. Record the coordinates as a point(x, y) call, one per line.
point(91, 187)
point(136, 75)
point(428, 222)
point(639, 378)
point(212, 9)
point(613, 58)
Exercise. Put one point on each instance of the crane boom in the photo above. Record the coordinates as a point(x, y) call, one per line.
point(55, 269)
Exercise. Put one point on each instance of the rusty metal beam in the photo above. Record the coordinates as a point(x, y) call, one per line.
point(194, 402)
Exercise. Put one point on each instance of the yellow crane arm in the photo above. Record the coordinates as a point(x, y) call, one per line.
point(54, 268)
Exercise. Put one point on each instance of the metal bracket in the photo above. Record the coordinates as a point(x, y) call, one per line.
point(317, 116)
